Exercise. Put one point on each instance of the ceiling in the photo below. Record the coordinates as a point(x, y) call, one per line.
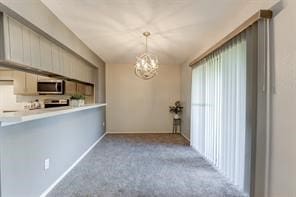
point(179, 28)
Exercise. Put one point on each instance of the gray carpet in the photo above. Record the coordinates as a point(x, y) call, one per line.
point(140, 165)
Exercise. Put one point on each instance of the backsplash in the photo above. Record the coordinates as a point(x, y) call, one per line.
point(8, 100)
point(22, 98)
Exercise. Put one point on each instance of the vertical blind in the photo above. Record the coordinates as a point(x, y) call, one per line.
point(218, 111)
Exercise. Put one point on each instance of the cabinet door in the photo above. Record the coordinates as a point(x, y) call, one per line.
point(46, 56)
point(35, 49)
point(61, 61)
point(19, 82)
point(80, 88)
point(88, 90)
point(15, 41)
point(31, 84)
point(90, 75)
point(6, 75)
point(67, 64)
point(26, 46)
point(76, 68)
point(70, 87)
point(94, 75)
point(89, 100)
point(72, 66)
point(55, 59)
point(6, 37)
point(84, 73)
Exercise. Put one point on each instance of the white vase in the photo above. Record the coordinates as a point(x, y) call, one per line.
point(81, 102)
point(176, 116)
point(76, 103)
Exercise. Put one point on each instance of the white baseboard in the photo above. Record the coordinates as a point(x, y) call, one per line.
point(137, 132)
point(71, 167)
point(185, 137)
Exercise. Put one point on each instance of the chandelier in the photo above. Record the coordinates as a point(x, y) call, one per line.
point(146, 65)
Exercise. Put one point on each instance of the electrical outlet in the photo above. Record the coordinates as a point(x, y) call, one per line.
point(46, 164)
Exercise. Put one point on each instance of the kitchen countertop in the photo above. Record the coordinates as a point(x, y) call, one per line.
point(10, 118)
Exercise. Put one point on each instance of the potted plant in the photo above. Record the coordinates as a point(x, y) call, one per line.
point(77, 100)
point(176, 109)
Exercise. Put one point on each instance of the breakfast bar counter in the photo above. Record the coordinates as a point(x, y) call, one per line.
point(10, 118)
point(60, 136)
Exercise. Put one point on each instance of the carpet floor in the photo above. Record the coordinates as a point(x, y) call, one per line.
point(140, 165)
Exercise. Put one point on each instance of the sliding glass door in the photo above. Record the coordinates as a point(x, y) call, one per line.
point(218, 126)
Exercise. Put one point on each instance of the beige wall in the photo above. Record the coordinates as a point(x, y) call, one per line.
point(283, 142)
point(136, 105)
point(8, 101)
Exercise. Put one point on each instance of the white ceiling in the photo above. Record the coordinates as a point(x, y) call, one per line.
point(180, 28)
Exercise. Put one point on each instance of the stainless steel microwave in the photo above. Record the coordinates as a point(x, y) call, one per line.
point(45, 86)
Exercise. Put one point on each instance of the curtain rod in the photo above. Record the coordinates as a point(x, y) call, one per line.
point(253, 19)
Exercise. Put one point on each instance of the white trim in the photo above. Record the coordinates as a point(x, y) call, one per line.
point(71, 167)
point(185, 137)
point(139, 132)
point(268, 110)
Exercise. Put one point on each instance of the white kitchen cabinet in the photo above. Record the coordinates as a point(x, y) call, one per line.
point(46, 56)
point(15, 41)
point(61, 62)
point(26, 46)
point(90, 74)
point(56, 68)
point(81, 70)
point(82, 73)
point(67, 64)
point(87, 74)
point(77, 68)
point(35, 50)
point(74, 66)
point(30, 49)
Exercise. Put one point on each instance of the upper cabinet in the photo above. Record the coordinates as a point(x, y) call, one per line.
point(15, 31)
point(45, 54)
point(56, 63)
point(27, 48)
point(35, 50)
point(24, 83)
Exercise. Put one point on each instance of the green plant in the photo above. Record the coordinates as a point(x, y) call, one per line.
point(77, 97)
point(177, 108)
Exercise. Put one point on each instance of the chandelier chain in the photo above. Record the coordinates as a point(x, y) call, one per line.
point(146, 45)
